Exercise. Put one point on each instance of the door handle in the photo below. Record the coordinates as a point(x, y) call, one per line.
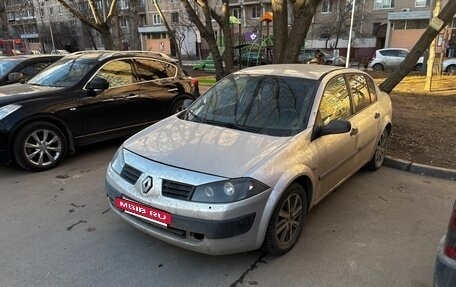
point(377, 115)
point(172, 90)
point(131, 96)
point(353, 131)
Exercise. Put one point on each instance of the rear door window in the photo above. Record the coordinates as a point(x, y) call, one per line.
point(117, 73)
point(151, 69)
point(360, 91)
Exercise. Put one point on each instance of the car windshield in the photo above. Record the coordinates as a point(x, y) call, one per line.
point(266, 104)
point(6, 66)
point(64, 73)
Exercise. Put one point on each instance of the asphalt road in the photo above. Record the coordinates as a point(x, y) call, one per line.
point(378, 229)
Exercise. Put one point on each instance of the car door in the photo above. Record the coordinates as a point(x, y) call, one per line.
point(158, 87)
point(335, 152)
point(366, 117)
point(114, 110)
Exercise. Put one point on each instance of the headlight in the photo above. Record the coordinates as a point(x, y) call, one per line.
point(8, 109)
point(118, 162)
point(228, 190)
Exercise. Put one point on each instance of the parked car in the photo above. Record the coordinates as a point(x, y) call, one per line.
point(252, 59)
point(448, 65)
point(445, 262)
point(241, 167)
point(60, 52)
point(85, 98)
point(308, 54)
point(23, 67)
point(390, 59)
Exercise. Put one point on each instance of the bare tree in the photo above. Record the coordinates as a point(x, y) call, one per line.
point(3, 20)
point(434, 28)
point(289, 36)
point(336, 26)
point(134, 24)
point(95, 20)
point(207, 31)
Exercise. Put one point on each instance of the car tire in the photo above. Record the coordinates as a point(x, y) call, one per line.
point(378, 157)
point(178, 105)
point(287, 221)
point(451, 69)
point(419, 67)
point(39, 146)
point(378, 67)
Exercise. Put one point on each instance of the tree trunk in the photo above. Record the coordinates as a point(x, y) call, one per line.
point(134, 24)
point(280, 29)
point(408, 64)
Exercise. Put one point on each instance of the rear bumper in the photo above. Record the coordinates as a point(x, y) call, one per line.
point(444, 269)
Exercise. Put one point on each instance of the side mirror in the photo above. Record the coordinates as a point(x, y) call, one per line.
point(15, 77)
point(335, 127)
point(187, 103)
point(97, 84)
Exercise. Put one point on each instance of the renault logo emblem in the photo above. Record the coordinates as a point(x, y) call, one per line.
point(147, 184)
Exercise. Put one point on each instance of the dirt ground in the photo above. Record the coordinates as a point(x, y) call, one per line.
point(424, 124)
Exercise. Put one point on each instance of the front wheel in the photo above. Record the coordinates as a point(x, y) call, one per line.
point(286, 221)
point(178, 105)
point(39, 146)
point(419, 67)
point(451, 69)
point(379, 154)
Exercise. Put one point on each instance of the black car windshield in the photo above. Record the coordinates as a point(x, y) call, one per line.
point(266, 104)
point(7, 65)
point(64, 73)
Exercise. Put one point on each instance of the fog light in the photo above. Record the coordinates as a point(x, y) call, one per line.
point(228, 188)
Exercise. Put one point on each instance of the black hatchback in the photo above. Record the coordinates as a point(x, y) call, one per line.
point(84, 98)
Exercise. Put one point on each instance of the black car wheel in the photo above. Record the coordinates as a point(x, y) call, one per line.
point(451, 69)
point(39, 146)
point(419, 67)
point(286, 221)
point(379, 154)
point(377, 67)
point(178, 105)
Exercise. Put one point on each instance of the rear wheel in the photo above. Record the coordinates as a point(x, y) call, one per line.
point(39, 146)
point(377, 67)
point(286, 221)
point(451, 69)
point(379, 154)
point(178, 105)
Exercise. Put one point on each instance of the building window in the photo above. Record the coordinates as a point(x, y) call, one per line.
point(422, 3)
point(41, 12)
point(51, 11)
point(326, 6)
point(383, 4)
point(236, 12)
point(156, 19)
point(142, 20)
point(122, 4)
point(256, 12)
point(174, 17)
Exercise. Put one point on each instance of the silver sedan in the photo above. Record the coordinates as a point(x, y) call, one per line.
point(241, 167)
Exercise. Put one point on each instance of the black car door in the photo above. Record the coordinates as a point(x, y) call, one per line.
point(113, 111)
point(158, 87)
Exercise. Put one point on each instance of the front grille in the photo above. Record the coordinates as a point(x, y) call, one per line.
point(130, 174)
point(177, 190)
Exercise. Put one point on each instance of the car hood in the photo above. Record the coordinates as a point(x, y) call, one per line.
point(20, 92)
point(203, 148)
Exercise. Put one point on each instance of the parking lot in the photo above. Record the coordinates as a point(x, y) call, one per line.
point(378, 229)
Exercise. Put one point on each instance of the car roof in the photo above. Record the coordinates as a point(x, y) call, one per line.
point(385, 49)
point(305, 71)
point(104, 54)
point(31, 56)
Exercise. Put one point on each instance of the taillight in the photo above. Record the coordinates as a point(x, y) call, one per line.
point(373, 56)
point(195, 82)
point(450, 243)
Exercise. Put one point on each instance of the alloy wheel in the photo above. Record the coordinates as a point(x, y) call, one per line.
point(42, 147)
point(289, 219)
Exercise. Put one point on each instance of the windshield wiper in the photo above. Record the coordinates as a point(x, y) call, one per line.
point(234, 126)
point(197, 118)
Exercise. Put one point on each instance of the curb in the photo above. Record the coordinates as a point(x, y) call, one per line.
point(421, 169)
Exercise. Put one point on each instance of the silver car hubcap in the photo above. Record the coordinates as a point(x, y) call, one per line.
point(289, 218)
point(42, 147)
point(380, 151)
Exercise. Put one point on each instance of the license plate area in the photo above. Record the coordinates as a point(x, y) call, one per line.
point(143, 211)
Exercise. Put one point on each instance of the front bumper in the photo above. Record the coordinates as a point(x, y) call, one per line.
point(202, 227)
point(444, 269)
